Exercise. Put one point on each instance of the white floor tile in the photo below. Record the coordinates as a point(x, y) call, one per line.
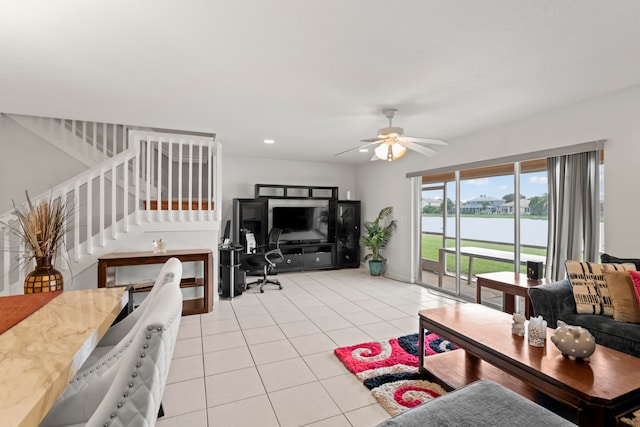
point(184, 397)
point(224, 341)
point(331, 323)
point(296, 329)
point(348, 392)
point(189, 330)
point(325, 365)
point(368, 416)
point(339, 421)
point(256, 321)
point(253, 411)
point(348, 336)
point(233, 386)
point(263, 334)
point(217, 362)
point(220, 326)
point(192, 419)
point(361, 317)
point(297, 406)
point(185, 368)
point(288, 316)
point(284, 374)
point(309, 344)
point(273, 351)
point(187, 347)
point(381, 331)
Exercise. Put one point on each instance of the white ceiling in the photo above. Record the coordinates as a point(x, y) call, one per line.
point(313, 75)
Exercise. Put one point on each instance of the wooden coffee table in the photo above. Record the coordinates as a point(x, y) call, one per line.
point(600, 390)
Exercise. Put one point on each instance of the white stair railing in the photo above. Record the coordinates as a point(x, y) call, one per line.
point(87, 141)
point(108, 199)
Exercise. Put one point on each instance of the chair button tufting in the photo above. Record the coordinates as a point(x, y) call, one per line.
point(134, 375)
point(119, 405)
point(126, 394)
point(137, 365)
point(130, 385)
point(142, 355)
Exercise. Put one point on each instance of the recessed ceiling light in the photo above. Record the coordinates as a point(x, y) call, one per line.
point(269, 141)
point(364, 150)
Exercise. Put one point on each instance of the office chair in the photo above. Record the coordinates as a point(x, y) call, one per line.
point(263, 259)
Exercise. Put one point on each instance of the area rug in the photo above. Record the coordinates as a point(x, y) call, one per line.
point(390, 369)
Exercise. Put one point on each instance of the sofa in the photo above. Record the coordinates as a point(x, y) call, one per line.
point(555, 301)
point(482, 403)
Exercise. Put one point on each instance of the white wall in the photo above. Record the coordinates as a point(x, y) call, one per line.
point(241, 174)
point(613, 117)
point(29, 163)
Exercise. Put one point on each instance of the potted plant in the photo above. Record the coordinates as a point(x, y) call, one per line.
point(376, 236)
point(40, 227)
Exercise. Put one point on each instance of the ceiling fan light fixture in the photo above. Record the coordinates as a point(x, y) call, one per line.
point(390, 150)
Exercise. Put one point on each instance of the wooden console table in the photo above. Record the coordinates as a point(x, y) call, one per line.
point(107, 265)
point(511, 284)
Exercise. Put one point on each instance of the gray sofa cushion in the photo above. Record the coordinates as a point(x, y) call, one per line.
point(483, 403)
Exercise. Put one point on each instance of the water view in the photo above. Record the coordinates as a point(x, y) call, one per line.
point(533, 232)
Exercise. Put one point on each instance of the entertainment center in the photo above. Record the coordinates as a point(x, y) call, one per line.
point(318, 230)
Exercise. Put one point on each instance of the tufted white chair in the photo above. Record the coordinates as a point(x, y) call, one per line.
point(119, 335)
point(126, 391)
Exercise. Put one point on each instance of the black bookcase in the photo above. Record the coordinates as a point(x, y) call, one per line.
point(347, 233)
point(250, 216)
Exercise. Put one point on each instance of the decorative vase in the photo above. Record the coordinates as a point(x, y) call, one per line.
point(44, 278)
point(375, 267)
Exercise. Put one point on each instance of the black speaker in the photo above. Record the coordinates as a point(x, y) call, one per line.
point(534, 270)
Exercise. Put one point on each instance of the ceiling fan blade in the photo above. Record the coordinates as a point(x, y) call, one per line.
point(356, 148)
point(372, 140)
point(419, 148)
point(434, 141)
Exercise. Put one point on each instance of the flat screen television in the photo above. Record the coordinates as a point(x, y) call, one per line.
point(302, 224)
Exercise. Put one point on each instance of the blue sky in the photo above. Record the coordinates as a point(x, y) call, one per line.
point(531, 184)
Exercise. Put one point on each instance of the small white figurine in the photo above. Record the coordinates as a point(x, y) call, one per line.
point(159, 247)
point(517, 327)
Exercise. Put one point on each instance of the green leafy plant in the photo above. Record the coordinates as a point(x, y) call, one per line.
point(377, 234)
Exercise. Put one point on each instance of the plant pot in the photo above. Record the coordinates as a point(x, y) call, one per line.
point(376, 267)
point(44, 278)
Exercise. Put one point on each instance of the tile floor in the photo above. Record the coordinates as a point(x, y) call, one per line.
point(267, 359)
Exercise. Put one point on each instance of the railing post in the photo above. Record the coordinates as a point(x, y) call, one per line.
point(218, 179)
point(170, 180)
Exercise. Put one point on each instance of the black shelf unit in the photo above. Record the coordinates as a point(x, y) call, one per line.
point(342, 248)
point(347, 233)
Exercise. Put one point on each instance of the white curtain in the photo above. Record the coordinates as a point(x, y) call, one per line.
point(574, 210)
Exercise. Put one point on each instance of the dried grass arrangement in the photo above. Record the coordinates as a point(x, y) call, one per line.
point(41, 226)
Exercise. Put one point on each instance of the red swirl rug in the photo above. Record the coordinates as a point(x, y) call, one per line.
point(390, 369)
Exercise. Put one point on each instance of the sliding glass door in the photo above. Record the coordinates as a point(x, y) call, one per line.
point(496, 227)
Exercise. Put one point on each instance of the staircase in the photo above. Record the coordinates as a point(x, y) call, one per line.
point(137, 180)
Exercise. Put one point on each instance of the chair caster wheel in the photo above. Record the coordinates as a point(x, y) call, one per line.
point(262, 291)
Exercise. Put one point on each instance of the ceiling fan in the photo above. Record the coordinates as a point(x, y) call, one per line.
point(393, 143)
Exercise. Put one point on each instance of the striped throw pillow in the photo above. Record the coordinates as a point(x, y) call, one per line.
point(590, 289)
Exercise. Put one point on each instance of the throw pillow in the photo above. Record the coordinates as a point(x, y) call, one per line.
point(635, 278)
point(623, 296)
point(609, 259)
point(589, 287)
